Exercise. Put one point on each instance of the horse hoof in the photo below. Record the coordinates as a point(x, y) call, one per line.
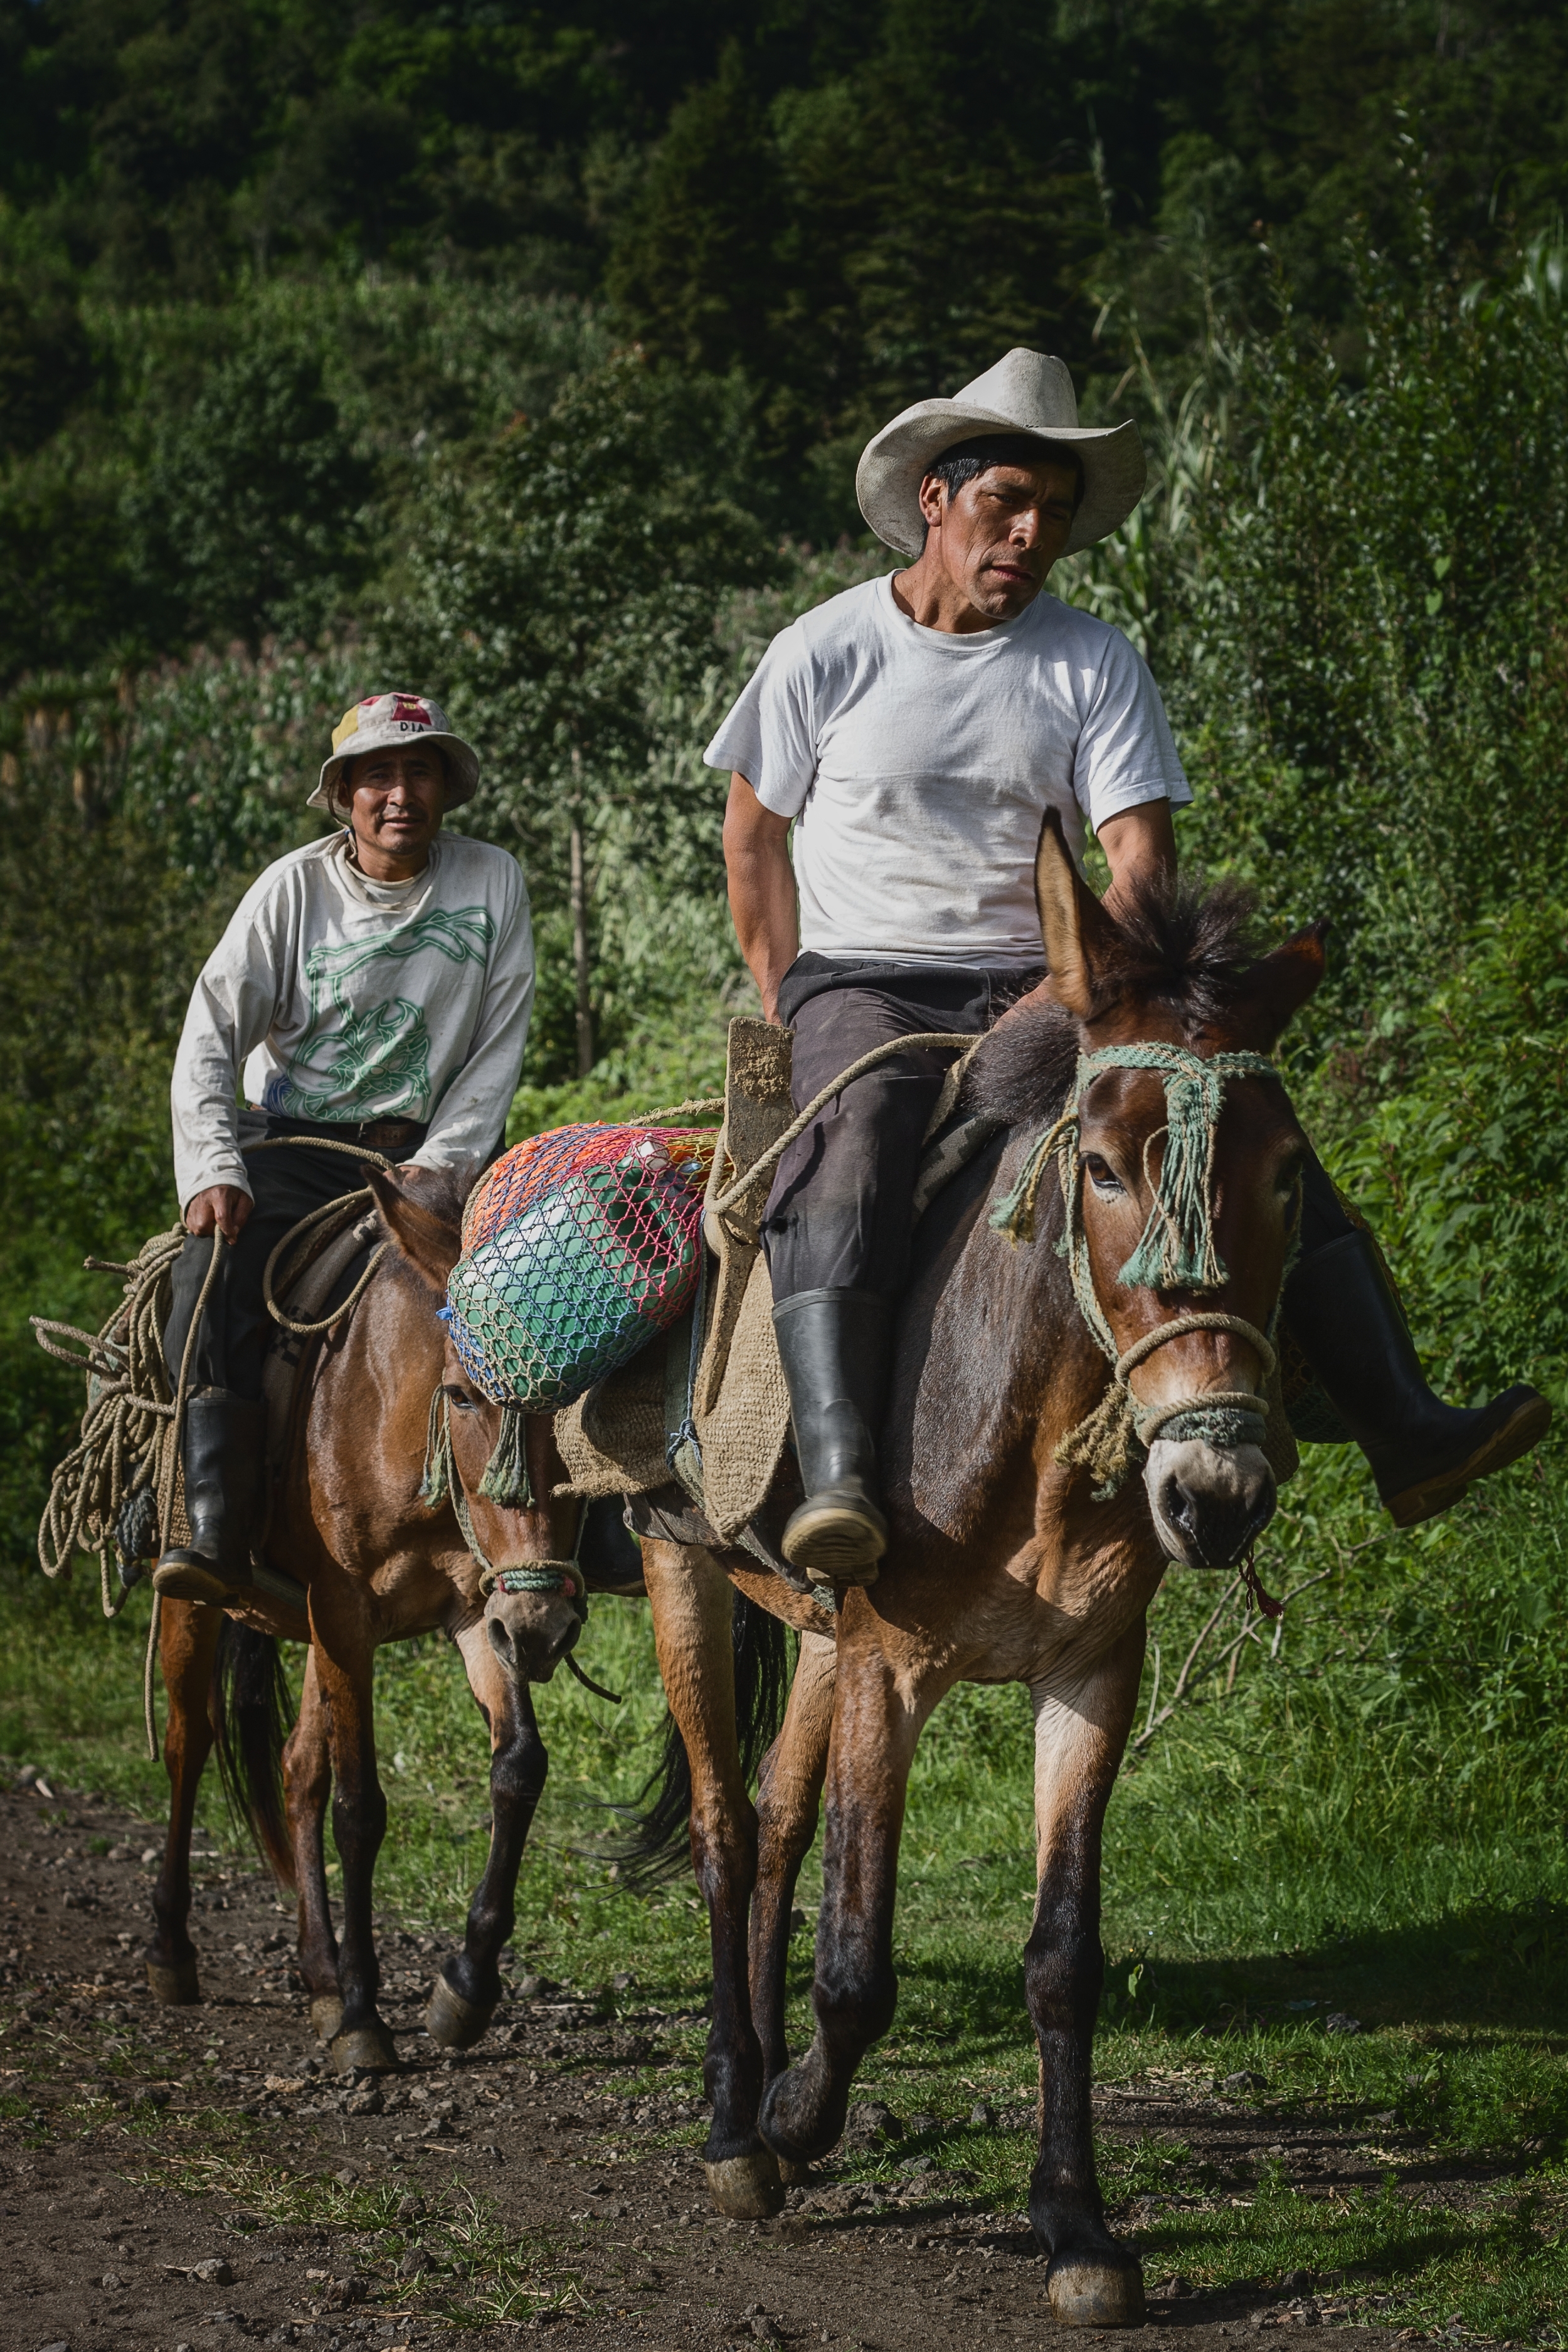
point(1096, 2291)
point(746, 2187)
point(326, 2015)
point(452, 2022)
point(174, 1987)
point(363, 2050)
point(794, 2175)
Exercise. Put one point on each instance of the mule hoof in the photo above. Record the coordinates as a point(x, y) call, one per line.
point(794, 2175)
point(326, 2015)
point(174, 1987)
point(452, 2022)
point(364, 2050)
point(746, 2187)
point(1096, 2291)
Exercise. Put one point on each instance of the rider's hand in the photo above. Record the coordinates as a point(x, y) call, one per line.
point(224, 1205)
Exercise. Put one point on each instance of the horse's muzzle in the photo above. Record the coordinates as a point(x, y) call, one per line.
point(531, 1632)
point(1209, 1502)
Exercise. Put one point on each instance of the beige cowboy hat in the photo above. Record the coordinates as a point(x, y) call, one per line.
point(382, 721)
point(1027, 392)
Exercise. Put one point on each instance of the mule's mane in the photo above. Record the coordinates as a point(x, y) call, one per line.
point(1188, 947)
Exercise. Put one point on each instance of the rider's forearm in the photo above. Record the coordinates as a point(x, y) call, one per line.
point(1140, 846)
point(763, 904)
point(762, 892)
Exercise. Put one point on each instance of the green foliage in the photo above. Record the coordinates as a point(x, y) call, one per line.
point(1460, 1164)
point(247, 518)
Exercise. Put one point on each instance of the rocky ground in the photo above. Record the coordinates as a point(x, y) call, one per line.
point(187, 2179)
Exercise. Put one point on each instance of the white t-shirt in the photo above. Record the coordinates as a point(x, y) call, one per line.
point(351, 1000)
point(919, 767)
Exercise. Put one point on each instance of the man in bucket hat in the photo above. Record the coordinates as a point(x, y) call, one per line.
point(914, 732)
point(374, 989)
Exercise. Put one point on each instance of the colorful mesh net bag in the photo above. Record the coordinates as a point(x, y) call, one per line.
point(578, 1245)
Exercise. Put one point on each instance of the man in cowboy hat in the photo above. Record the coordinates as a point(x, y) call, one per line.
point(374, 990)
point(914, 732)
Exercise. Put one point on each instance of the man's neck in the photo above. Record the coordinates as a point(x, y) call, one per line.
point(377, 867)
point(928, 595)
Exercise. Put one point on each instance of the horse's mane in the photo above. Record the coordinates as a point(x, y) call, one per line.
point(1187, 946)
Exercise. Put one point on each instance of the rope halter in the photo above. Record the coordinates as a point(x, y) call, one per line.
point(1175, 1252)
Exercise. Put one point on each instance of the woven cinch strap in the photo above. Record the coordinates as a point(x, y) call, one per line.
point(1175, 1252)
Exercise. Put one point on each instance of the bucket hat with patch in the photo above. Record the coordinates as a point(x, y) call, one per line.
point(1027, 392)
point(388, 721)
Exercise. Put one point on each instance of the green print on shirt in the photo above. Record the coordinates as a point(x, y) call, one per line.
point(373, 1062)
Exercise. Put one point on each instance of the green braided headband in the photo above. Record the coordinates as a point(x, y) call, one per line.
point(1176, 1251)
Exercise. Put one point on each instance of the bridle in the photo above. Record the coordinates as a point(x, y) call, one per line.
point(1175, 1252)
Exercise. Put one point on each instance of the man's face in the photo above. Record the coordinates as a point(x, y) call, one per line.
point(999, 536)
point(396, 803)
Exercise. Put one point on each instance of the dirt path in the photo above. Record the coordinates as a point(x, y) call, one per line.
point(193, 2177)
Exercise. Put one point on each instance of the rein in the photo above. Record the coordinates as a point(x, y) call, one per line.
point(1175, 1252)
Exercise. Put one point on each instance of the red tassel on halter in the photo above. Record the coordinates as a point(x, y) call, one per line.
point(1266, 1605)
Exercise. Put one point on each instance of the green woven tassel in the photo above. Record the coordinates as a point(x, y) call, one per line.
point(506, 1478)
point(1177, 1250)
point(434, 1484)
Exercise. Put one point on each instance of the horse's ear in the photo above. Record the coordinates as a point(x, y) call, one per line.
point(1284, 980)
point(1078, 932)
point(431, 1242)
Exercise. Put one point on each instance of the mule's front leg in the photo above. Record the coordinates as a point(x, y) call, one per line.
point(307, 1784)
point(188, 1635)
point(692, 1600)
point(789, 1794)
point(466, 1992)
point(342, 1648)
point(875, 1728)
point(1080, 1730)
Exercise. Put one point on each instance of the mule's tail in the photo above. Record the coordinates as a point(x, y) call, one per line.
point(250, 1710)
point(657, 1848)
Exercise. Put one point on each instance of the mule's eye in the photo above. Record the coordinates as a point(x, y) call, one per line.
point(1290, 1174)
point(460, 1400)
point(1102, 1176)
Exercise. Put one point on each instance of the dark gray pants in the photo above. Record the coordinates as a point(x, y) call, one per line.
point(839, 1214)
point(287, 1184)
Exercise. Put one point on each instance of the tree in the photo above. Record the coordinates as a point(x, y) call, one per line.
point(248, 515)
point(562, 585)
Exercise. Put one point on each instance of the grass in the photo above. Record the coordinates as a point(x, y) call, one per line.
point(1365, 1819)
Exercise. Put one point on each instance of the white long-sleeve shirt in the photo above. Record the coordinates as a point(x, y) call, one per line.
point(350, 1000)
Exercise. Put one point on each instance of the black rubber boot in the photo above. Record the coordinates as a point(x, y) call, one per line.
point(834, 1344)
point(225, 1439)
point(1424, 1454)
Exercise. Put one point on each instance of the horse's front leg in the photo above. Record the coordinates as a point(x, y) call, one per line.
point(343, 1649)
point(877, 1720)
point(692, 1602)
point(789, 1793)
point(1080, 1731)
point(188, 1634)
point(307, 1784)
point(464, 1997)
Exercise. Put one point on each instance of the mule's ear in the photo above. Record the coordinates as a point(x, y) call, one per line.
point(431, 1244)
point(1078, 932)
point(1284, 980)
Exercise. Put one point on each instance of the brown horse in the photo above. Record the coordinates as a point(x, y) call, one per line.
point(377, 1562)
point(1003, 1565)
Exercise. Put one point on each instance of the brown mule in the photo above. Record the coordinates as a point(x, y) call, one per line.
point(1001, 1566)
point(378, 1564)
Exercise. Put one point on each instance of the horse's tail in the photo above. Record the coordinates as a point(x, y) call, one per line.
point(250, 1713)
point(657, 1847)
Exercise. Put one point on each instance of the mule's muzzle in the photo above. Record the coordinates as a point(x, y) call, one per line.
point(1210, 1502)
point(531, 1632)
